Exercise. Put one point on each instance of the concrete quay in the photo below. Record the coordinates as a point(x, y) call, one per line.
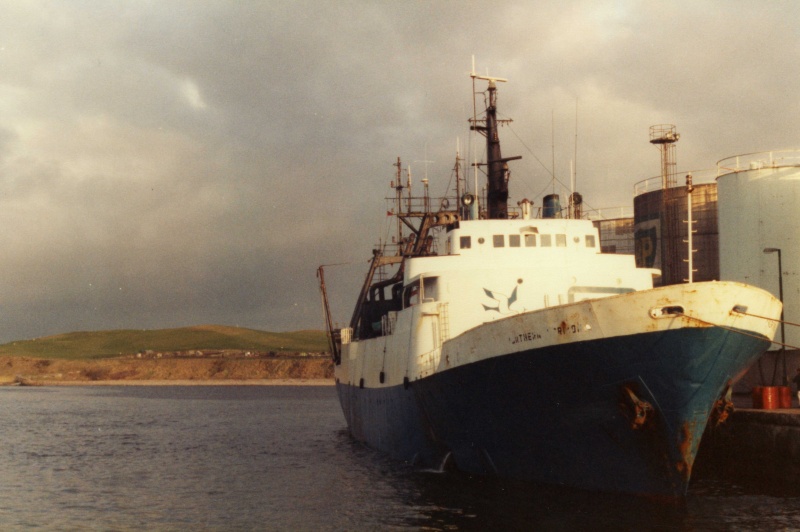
point(754, 447)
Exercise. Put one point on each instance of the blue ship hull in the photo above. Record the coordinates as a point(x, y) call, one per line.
point(564, 414)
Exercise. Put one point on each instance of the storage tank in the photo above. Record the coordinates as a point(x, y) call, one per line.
point(660, 229)
point(759, 208)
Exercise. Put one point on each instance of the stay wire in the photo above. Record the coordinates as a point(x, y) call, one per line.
point(731, 329)
point(770, 319)
point(553, 178)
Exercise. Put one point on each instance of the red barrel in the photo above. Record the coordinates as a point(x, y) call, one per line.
point(758, 392)
point(770, 398)
point(785, 397)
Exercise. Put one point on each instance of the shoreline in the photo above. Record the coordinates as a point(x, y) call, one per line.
point(177, 382)
point(130, 371)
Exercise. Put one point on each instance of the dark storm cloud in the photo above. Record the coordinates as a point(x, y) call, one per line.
point(176, 163)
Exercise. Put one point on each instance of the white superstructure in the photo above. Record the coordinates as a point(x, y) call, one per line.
point(492, 269)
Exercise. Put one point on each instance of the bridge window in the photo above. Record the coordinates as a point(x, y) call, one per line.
point(465, 242)
point(430, 289)
point(513, 241)
point(411, 294)
point(589, 241)
point(499, 241)
point(530, 241)
point(561, 241)
point(547, 241)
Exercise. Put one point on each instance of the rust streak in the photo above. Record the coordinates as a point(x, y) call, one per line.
point(685, 447)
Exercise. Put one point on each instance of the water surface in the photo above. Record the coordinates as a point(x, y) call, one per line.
point(280, 458)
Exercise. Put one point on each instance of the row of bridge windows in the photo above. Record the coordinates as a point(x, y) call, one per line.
point(528, 240)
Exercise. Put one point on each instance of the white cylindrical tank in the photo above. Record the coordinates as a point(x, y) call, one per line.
point(759, 208)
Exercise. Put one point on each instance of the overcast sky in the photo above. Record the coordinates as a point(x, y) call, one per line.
point(170, 163)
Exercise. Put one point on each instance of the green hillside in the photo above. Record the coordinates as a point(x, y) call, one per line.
point(102, 344)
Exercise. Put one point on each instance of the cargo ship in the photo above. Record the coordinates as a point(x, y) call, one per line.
point(521, 350)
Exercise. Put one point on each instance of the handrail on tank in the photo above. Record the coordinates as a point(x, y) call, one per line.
point(650, 184)
point(758, 160)
point(647, 185)
point(609, 213)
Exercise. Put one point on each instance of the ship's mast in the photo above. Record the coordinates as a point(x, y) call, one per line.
point(457, 170)
point(497, 195)
point(496, 165)
point(397, 184)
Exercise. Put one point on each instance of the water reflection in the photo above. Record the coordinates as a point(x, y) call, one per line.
point(455, 501)
point(392, 495)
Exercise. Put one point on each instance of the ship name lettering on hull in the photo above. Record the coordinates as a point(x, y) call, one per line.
point(525, 337)
point(565, 328)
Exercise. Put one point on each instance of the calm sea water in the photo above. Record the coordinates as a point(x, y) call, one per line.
point(280, 458)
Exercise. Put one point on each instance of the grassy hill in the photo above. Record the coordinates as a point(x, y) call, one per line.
point(103, 344)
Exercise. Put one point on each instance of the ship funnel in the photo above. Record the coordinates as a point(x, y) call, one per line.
point(551, 207)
